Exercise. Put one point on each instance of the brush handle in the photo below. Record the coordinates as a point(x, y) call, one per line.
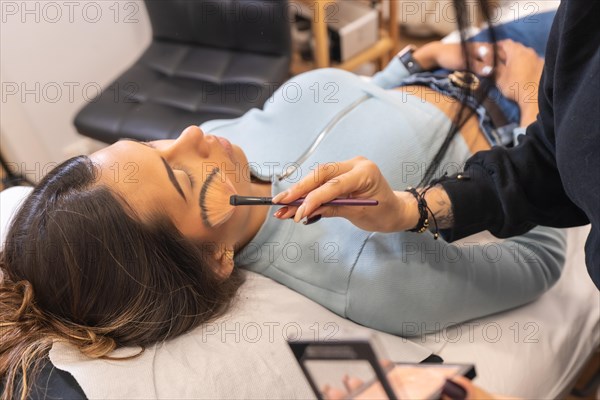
point(236, 200)
point(338, 202)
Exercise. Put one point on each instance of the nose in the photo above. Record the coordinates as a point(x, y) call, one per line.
point(191, 141)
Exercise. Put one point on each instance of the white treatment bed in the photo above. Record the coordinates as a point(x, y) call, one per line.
point(533, 351)
point(537, 350)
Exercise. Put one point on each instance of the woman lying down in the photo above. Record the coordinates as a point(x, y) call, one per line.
point(112, 250)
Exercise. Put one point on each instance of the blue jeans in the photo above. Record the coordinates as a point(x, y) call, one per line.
point(532, 31)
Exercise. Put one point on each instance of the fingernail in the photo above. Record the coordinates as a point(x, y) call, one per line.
point(299, 213)
point(279, 213)
point(482, 51)
point(280, 196)
point(312, 220)
point(485, 71)
point(346, 382)
point(454, 390)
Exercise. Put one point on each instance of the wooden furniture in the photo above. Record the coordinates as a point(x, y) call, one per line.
point(381, 51)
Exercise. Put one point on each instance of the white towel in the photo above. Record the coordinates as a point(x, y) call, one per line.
point(243, 355)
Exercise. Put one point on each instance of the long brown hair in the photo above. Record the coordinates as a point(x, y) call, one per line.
point(79, 265)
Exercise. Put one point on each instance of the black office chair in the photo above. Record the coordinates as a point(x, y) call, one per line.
point(208, 60)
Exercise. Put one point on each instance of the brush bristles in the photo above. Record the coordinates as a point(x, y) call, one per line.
point(214, 199)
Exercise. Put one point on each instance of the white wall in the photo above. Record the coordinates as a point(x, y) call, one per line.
point(54, 55)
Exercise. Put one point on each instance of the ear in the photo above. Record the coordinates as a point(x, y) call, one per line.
point(224, 256)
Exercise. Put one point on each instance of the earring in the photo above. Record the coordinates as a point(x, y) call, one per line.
point(229, 254)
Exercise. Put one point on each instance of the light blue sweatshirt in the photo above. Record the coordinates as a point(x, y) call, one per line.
point(402, 283)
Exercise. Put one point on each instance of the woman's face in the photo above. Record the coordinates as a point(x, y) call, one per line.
point(153, 177)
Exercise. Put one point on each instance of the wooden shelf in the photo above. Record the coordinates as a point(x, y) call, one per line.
point(380, 51)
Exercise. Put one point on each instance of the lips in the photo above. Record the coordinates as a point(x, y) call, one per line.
point(226, 146)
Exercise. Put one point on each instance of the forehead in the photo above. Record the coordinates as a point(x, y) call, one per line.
point(136, 172)
point(122, 151)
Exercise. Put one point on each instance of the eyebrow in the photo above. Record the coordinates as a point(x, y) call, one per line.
point(170, 173)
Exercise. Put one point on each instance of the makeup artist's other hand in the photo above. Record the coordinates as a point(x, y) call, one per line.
point(356, 178)
point(457, 388)
point(454, 388)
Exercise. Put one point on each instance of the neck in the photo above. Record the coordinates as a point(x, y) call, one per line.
point(258, 214)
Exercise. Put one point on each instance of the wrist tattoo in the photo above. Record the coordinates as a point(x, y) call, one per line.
point(443, 208)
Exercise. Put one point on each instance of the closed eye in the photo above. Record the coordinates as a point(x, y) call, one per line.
point(189, 174)
point(181, 168)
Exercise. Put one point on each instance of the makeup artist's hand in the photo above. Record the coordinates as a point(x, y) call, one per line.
point(356, 178)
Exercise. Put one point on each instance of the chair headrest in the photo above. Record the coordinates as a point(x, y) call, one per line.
point(242, 25)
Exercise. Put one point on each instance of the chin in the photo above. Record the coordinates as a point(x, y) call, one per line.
point(239, 156)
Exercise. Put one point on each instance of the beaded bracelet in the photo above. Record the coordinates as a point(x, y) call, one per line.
point(424, 209)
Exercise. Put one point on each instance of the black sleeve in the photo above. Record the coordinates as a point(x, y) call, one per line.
point(510, 190)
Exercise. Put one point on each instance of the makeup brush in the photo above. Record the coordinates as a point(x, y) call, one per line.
point(214, 199)
point(218, 199)
point(236, 200)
